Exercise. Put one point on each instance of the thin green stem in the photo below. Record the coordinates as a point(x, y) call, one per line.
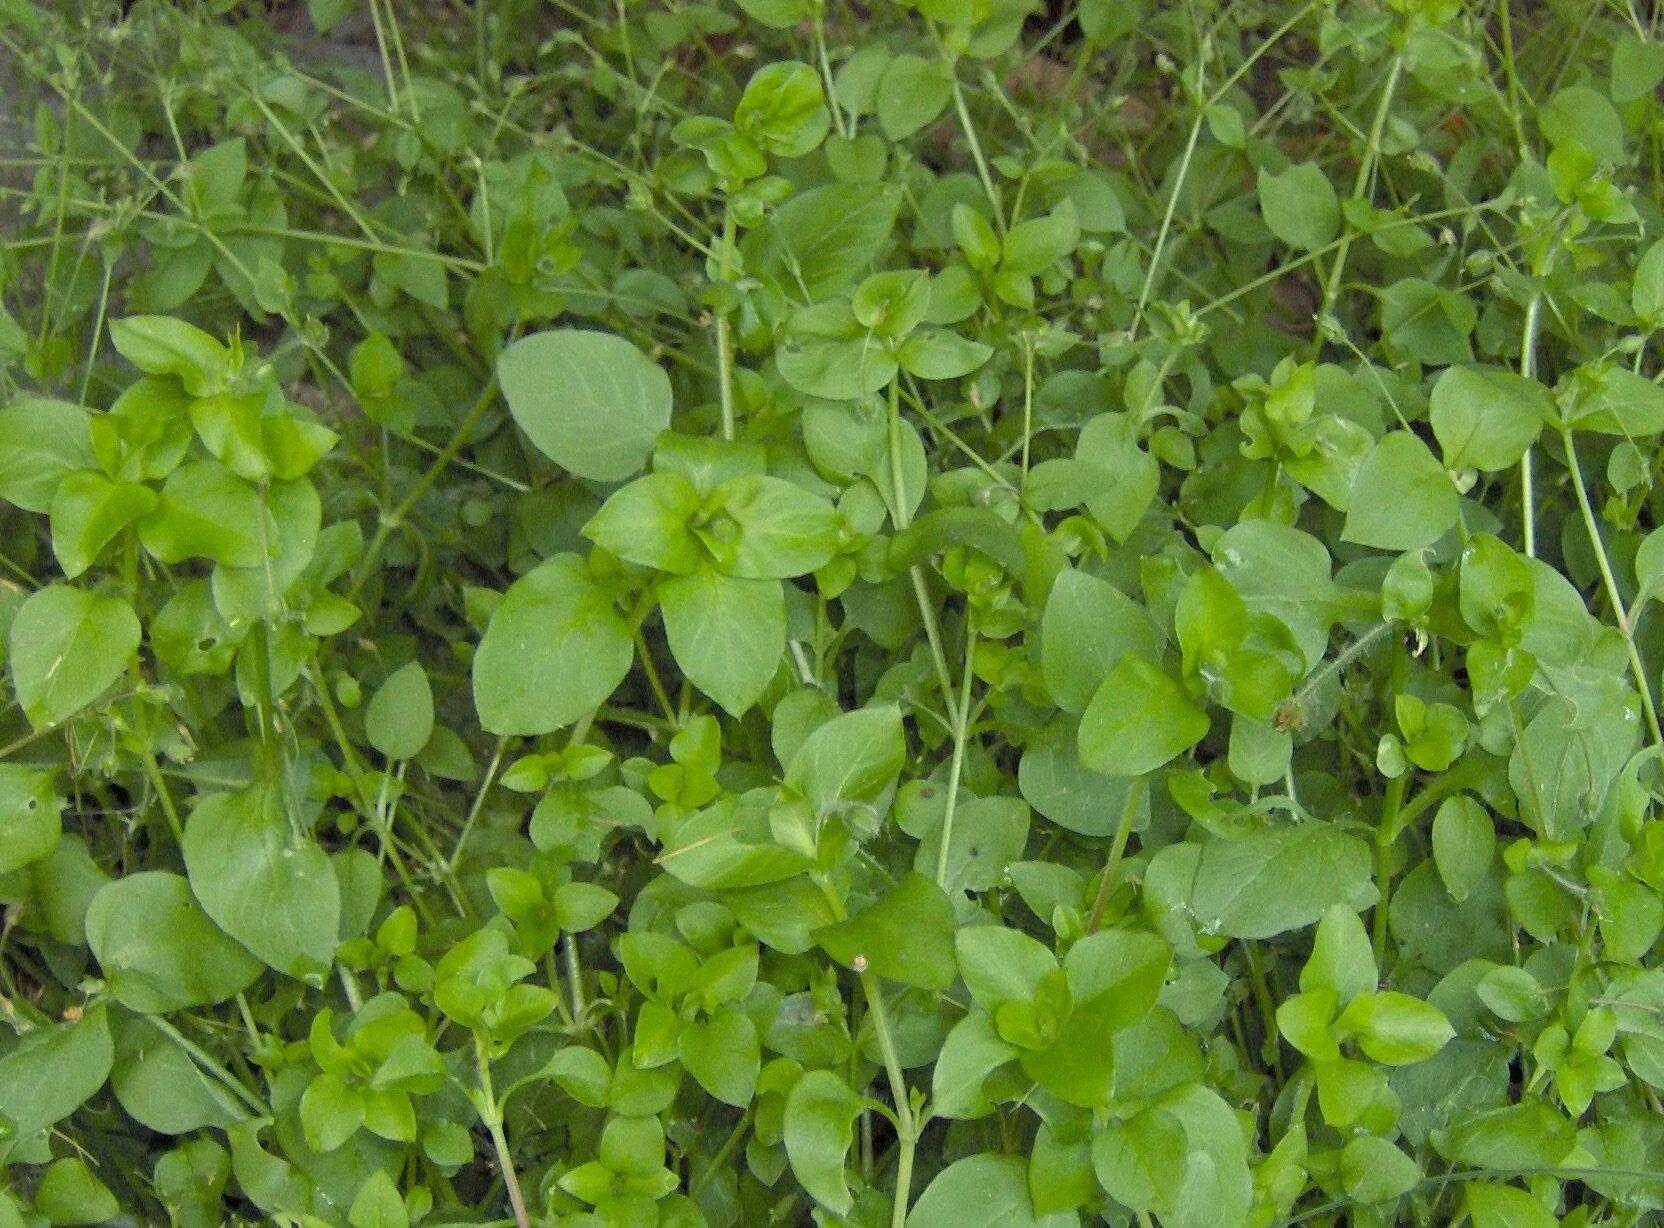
point(394, 519)
point(826, 75)
point(1296, 702)
point(961, 729)
point(367, 805)
point(574, 976)
point(907, 1128)
point(318, 172)
point(903, 517)
point(724, 340)
point(1390, 824)
point(1528, 368)
point(1167, 214)
point(202, 1059)
point(1506, 24)
point(97, 330)
point(1465, 774)
point(975, 146)
point(1611, 583)
point(1386, 835)
point(381, 50)
point(1270, 1050)
point(1028, 401)
point(720, 1160)
point(1360, 188)
point(478, 805)
point(492, 1112)
point(1117, 850)
point(153, 773)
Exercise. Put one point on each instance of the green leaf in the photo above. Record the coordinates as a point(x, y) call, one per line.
point(50, 1072)
point(825, 238)
point(851, 759)
point(1485, 418)
point(981, 1189)
point(68, 1193)
point(936, 353)
point(727, 634)
point(158, 950)
point(589, 401)
point(1281, 571)
point(1581, 115)
point(1135, 1159)
point(1138, 720)
point(163, 346)
point(331, 1112)
point(263, 881)
point(1526, 1135)
point(1512, 994)
point(1105, 21)
point(1373, 1170)
point(399, 720)
point(1031, 247)
point(1612, 400)
point(1646, 295)
point(1395, 1028)
point(1402, 499)
point(1503, 1206)
point(1087, 627)
point(30, 814)
point(1268, 882)
point(1126, 476)
point(1053, 780)
point(973, 1051)
point(830, 357)
point(1001, 965)
point(67, 647)
point(723, 1054)
point(1342, 960)
point(783, 109)
point(160, 1085)
point(784, 530)
point(906, 936)
point(818, 1128)
point(208, 512)
point(1215, 1186)
point(988, 834)
point(555, 650)
point(1464, 845)
point(912, 93)
point(88, 511)
point(1427, 322)
point(1300, 206)
point(229, 425)
point(713, 851)
point(975, 237)
point(41, 442)
point(649, 522)
point(378, 1204)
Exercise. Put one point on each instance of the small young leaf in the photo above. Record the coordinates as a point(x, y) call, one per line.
point(1402, 499)
point(1300, 206)
point(1138, 720)
point(399, 720)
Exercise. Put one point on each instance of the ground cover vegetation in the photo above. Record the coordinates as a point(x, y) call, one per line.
point(934, 613)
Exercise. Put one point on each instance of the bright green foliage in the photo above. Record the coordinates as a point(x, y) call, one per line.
point(919, 613)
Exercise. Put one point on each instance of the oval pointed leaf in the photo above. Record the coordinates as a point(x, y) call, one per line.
point(555, 649)
point(591, 402)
